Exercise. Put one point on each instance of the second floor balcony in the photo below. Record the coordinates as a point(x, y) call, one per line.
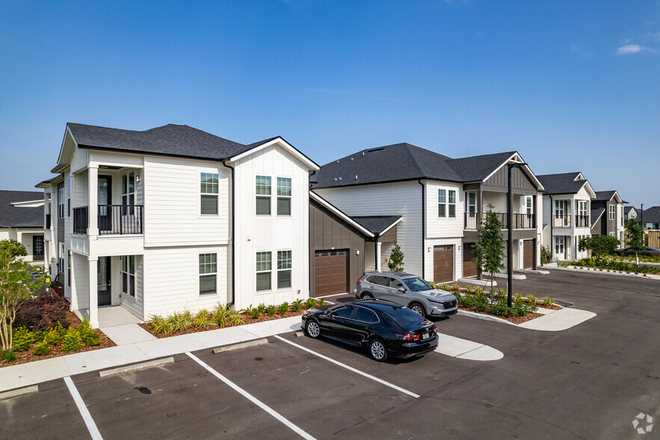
point(112, 219)
point(520, 221)
point(582, 221)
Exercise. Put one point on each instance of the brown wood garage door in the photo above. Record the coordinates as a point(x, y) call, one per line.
point(469, 266)
point(443, 263)
point(528, 254)
point(330, 272)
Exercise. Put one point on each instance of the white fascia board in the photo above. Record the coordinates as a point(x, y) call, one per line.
point(517, 158)
point(284, 144)
point(384, 231)
point(590, 190)
point(29, 203)
point(67, 131)
point(340, 214)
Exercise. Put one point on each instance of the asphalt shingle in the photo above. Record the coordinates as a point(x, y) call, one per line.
point(20, 217)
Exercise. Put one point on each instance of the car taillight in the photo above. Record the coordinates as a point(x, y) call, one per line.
point(407, 336)
point(435, 329)
point(358, 281)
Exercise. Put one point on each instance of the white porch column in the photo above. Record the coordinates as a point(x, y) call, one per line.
point(93, 190)
point(93, 292)
point(378, 252)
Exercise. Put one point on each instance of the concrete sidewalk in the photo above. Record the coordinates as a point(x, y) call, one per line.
point(551, 321)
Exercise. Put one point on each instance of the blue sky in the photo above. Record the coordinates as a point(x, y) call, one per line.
point(570, 85)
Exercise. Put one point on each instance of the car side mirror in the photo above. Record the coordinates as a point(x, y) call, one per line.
point(402, 289)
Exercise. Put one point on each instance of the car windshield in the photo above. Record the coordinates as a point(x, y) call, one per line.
point(405, 318)
point(417, 284)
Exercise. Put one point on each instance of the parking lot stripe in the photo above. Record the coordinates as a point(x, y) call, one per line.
point(252, 399)
point(369, 376)
point(84, 412)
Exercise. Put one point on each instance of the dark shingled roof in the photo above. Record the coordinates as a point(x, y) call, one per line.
point(376, 223)
point(561, 183)
point(651, 215)
point(605, 196)
point(400, 162)
point(20, 217)
point(171, 140)
point(595, 215)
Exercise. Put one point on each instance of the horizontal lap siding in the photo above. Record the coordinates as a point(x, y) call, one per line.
point(172, 203)
point(171, 279)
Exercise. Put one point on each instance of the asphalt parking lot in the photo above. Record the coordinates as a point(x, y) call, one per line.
point(590, 381)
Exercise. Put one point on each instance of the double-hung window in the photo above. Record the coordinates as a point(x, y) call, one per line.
point(264, 268)
point(60, 203)
point(442, 203)
point(612, 212)
point(209, 193)
point(283, 196)
point(283, 269)
point(128, 194)
point(208, 273)
point(263, 195)
point(128, 275)
point(452, 203)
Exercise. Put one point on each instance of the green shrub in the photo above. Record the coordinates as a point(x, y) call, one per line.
point(271, 310)
point(255, 313)
point(221, 316)
point(481, 303)
point(8, 356)
point(23, 339)
point(469, 289)
point(262, 308)
point(531, 303)
point(159, 324)
point(39, 336)
point(432, 283)
point(235, 317)
point(458, 297)
point(455, 287)
point(87, 334)
point(479, 291)
point(54, 336)
point(296, 305)
point(500, 308)
point(321, 301)
point(180, 321)
point(283, 308)
point(41, 349)
point(72, 341)
point(202, 319)
point(445, 287)
point(468, 300)
point(547, 301)
point(311, 302)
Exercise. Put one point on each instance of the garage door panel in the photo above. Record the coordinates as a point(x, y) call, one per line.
point(330, 272)
point(528, 254)
point(469, 266)
point(443, 263)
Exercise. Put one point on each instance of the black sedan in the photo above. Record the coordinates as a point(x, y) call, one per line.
point(381, 327)
point(645, 251)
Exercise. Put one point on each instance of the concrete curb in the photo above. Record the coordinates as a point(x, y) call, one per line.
point(483, 317)
point(240, 346)
point(604, 272)
point(19, 392)
point(135, 367)
point(552, 321)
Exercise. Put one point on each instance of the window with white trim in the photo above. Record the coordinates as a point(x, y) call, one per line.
point(208, 274)
point(128, 194)
point(128, 275)
point(442, 203)
point(283, 269)
point(263, 195)
point(559, 245)
point(472, 203)
point(283, 196)
point(264, 268)
point(60, 203)
point(452, 203)
point(612, 212)
point(209, 193)
point(68, 197)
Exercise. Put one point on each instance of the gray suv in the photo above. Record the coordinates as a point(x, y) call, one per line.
point(409, 291)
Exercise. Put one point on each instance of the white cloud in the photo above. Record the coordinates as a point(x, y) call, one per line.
point(628, 49)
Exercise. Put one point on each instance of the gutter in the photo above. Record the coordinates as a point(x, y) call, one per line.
point(230, 301)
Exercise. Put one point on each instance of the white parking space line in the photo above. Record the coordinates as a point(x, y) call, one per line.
point(252, 399)
point(368, 376)
point(84, 412)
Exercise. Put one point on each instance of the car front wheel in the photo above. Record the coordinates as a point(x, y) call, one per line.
point(313, 329)
point(367, 295)
point(377, 350)
point(419, 309)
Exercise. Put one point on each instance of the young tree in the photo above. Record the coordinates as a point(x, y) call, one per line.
point(599, 245)
point(16, 286)
point(635, 237)
point(395, 262)
point(489, 248)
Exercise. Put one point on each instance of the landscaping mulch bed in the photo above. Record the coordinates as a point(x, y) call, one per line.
point(246, 320)
point(512, 319)
point(28, 356)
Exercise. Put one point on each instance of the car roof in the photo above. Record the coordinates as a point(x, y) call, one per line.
point(393, 274)
point(381, 305)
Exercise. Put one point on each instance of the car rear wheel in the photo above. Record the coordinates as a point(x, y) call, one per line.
point(367, 295)
point(313, 329)
point(419, 309)
point(377, 350)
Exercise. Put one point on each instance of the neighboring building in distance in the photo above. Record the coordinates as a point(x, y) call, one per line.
point(432, 205)
point(651, 217)
point(567, 214)
point(175, 218)
point(607, 214)
point(629, 212)
point(22, 219)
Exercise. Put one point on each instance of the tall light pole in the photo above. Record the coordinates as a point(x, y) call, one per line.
point(509, 228)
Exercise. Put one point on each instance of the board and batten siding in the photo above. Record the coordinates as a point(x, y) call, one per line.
point(271, 233)
point(389, 199)
point(170, 280)
point(172, 199)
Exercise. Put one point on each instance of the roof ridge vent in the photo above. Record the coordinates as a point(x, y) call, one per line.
point(375, 149)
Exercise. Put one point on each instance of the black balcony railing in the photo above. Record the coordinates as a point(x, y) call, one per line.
point(520, 221)
point(112, 219)
point(80, 220)
point(582, 221)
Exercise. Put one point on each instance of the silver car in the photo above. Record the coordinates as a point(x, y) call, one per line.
point(409, 291)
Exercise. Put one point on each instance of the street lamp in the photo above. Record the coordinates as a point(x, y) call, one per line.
point(509, 244)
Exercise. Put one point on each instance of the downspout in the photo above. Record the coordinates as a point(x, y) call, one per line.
point(552, 237)
point(230, 301)
point(423, 225)
point(376, 252)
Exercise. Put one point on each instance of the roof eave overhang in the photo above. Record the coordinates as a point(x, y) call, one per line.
point(394, 223)
point(310, 164)
point(517, 158)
